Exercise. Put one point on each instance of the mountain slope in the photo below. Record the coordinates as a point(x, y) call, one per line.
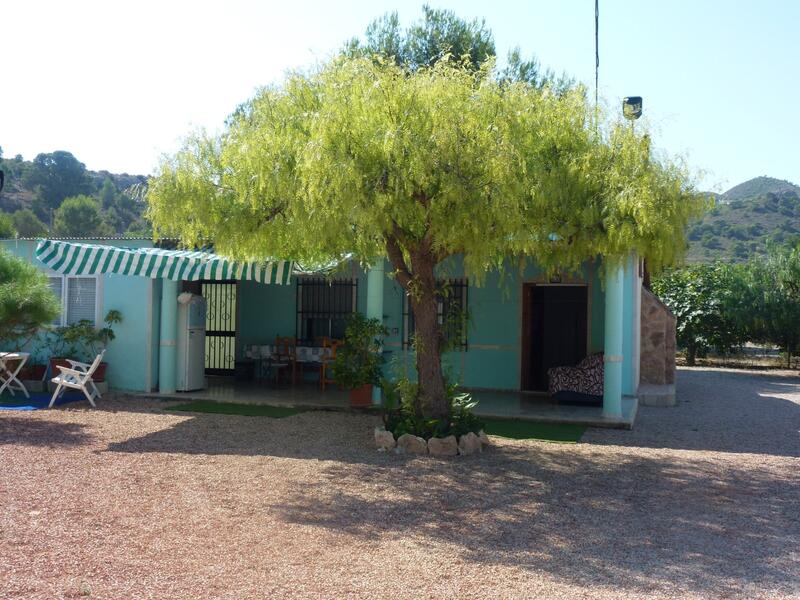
point(746, 219)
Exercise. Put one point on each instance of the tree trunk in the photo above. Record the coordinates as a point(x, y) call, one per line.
point(418, 279)
point(427, 342)
point(691, 354)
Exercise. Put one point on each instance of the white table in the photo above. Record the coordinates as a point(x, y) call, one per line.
point(9, 377)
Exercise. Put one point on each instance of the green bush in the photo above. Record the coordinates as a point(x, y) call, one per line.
point(400, 414)
point(360, 358)
point(26, 301)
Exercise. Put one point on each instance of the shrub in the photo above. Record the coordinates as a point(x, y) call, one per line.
point(26, 301)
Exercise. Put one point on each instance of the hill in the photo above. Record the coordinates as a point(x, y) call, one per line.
point(31, 202)
point(746, 219)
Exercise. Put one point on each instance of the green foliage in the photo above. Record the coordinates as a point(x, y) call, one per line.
point(705, 300)
point(80, 217)
point(440, 35)
point(26, 301)
point(56, 176)
point(771, 299)
point(27, 223)
point(82, 339)
point(7, 229)
point(401, 412)
point(359, 359)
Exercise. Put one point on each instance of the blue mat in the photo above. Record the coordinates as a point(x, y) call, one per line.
point(37, 400)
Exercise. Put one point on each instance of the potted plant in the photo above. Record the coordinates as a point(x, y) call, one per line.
point(358, 362)
point(82, 341)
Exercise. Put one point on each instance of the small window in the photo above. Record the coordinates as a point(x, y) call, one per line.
point(452, 309)
point(78, 298)
point(323, 306)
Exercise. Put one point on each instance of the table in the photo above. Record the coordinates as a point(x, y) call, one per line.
point(9, 377)
point(303, 355)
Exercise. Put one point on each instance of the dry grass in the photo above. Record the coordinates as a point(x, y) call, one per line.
point(128, 501)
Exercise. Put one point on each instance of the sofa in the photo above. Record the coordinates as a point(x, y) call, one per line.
point(581, 384)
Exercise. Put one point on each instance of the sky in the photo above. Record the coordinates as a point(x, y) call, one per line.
point(119, 83)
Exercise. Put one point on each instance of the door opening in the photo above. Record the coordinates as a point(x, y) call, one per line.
point(555, 330)
point(221, 307)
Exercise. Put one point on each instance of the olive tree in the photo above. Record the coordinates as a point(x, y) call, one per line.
point(363, 156)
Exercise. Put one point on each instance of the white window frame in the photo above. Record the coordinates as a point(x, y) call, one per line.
point(98, 295)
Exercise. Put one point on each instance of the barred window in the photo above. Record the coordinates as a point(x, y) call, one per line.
point(452, 308)
point(323, 306)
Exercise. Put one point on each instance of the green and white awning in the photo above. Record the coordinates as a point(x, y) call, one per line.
point(71, 258)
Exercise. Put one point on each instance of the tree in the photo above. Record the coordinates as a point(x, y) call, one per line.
point(773, 299)
point(26, 301)
point(7, 230)
point(362, 156)
point(709, 303)
point(27, 224)
point(79, 217)
point(56, 176)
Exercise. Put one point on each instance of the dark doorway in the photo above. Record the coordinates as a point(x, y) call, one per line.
point(220, 326)
point(554, 330)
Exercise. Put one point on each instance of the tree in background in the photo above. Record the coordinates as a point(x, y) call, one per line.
point(27, 223)
point(56, 176)
point(26, 301)
point(771, 300)
point(7, 229)
point(708, 303)
point(80, 216)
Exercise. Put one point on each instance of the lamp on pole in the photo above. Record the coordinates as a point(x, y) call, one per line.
point(632, 108)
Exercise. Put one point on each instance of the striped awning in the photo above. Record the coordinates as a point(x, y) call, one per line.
point(71, 258)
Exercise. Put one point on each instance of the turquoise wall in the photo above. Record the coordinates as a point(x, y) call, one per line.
point(129, 355)
point(265, 311)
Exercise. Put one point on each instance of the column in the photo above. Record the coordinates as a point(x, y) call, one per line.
point(375, 278)
point(167, 352)
point(612, 374)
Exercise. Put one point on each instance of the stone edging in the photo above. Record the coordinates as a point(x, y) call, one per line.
point(469, 443)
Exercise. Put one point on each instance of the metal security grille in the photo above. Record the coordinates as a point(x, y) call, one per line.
point(453, 308)
point(323, 306)
point(220, 326)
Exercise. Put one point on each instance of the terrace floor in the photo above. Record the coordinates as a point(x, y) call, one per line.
point(502, 404)
point(134, 500)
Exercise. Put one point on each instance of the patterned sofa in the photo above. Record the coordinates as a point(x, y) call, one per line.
point(581, 384)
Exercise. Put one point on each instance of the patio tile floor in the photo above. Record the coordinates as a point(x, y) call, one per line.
point(501, 404)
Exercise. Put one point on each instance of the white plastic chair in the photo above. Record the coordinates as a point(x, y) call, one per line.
point(78, 377)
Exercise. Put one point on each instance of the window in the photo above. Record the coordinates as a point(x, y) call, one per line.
point(78, 297)
point(323, 306)
point(452, 307)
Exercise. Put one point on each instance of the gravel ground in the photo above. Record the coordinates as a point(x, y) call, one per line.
point(128, 501)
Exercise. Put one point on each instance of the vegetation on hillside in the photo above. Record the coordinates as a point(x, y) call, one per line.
point(39, 198)
point(746, 220)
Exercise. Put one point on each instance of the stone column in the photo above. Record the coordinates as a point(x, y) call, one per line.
point(167, 352)
point(612, 374)
point(375, 278)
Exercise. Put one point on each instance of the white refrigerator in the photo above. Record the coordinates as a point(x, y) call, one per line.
point(191, 342)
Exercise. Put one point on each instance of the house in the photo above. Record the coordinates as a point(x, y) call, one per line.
point(520, 323)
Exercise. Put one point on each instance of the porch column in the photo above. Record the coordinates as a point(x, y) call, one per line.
point(167, 352)
point(375, 278)
point(612, 369)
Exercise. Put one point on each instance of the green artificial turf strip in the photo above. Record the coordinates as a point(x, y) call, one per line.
point(229, 408)
point(563, 433)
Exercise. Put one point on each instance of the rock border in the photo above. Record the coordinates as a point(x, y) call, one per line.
point(469, 443)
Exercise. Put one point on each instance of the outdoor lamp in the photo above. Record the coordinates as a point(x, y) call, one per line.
point(632, 107)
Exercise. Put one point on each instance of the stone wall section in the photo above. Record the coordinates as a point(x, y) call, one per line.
point(658, 342)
